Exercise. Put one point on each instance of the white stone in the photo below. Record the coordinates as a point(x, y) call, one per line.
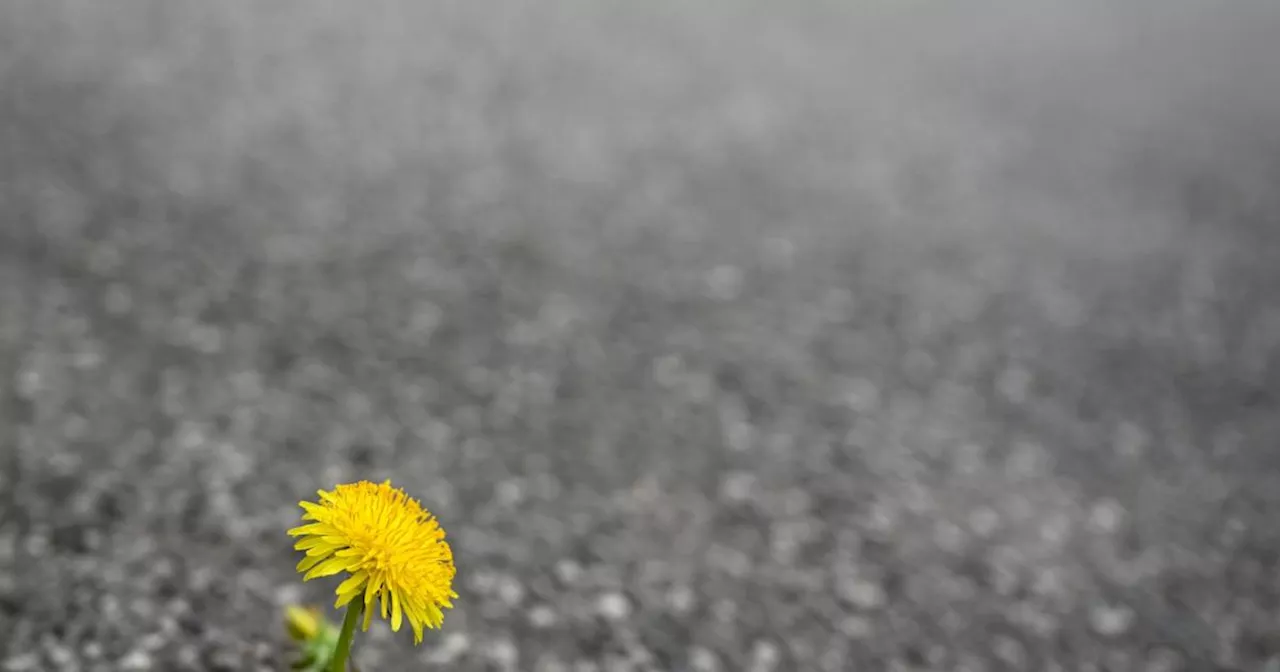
point(1106, 516)
point(765, 656)
point(863, 594)
point(724, 283)
point(614, 606)
point(136, 660)
point(704, 660)
point(22, 663)
point(737, 486)
point(542, 617)
point(1110, 621)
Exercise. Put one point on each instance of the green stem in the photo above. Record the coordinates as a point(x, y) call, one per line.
point(339, 661)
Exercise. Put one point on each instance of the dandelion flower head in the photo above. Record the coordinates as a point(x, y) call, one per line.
point(391, 549)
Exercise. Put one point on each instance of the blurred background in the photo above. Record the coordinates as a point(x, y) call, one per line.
point(881, 335)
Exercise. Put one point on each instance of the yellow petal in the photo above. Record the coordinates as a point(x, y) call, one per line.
point(417, 630)
point(352, 586)
point(327, 568)
point(310, 542)
point(309, 562)
point(397, 614)
point(313, 508)
point(318, 529)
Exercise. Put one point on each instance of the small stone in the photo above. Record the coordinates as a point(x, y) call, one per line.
point(207, 339)
point(970, 458)
point(1028, 460)
point(860, 395)
point(289, 593)
point(984, 521)
point(483, 583)
point(1168, 660)
point(1110, 621)
point(1010, 651)
point(118, 300)
point(22, 663)
point(1014, 384)
point(1106, 516)
point(724, 283)
point(549, 662)
point(542, 617)
point(510, 492)
point(136, 660)
point(838, 305)
point(1130, 440)
point(30, 384)
point(503, 653)
point(568, 571)
point(765, 656)
point(948, 536)
point(680, 599)
point(668, 370)
point(453, 646)
point(855, 627)
point(510, 591)
point(104, 259)
point(425, 318)
point(152, 642)
point(737, 486)
point(863, 594)
point(703, 660)
point(724, 610)
point(60, 655)
point(614, 606)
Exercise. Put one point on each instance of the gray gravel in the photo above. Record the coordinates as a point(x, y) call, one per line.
point(720, 336)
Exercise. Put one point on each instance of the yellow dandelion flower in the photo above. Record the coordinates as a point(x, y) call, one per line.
point(391, 548)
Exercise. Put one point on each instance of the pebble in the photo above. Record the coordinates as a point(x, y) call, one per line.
point(542, 617)
point(984, 521)
point(681, 599)
point(724, 283)
point(765, 656)
point(737, 486)
point(549, 662)
point(1109, 620)
point(702, 659)
point(136, 660)
point(855, 627)
point(510, 591)
point(1106, 516)
point(1014, 384)
point(60, 655)
point(613, 606)
point(451, 647)
point(1130, 440)
point(22, 663)
point(860, 395)
point(569, 572)
point(863, 593)
point(503, 653)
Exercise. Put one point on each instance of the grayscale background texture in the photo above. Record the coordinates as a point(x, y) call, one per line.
point(881, 335)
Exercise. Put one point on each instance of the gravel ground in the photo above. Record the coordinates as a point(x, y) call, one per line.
point(721, 336)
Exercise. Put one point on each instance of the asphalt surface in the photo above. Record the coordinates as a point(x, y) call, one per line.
point(720, 336)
